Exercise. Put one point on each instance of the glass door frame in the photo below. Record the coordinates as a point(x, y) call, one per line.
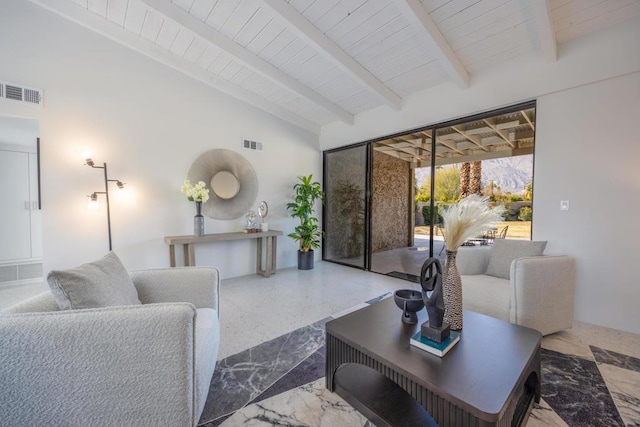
point(367, 203)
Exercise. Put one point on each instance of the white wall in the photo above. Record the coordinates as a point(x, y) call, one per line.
point(587, 150)
point(588, 153)
point(148, 123)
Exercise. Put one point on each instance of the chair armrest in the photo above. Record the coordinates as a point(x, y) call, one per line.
point(542, 292)
point(131, 365)
point(39, 303)
point(473, 259)
point(196, 285)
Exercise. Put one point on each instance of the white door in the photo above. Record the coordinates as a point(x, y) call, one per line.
point(15, 206)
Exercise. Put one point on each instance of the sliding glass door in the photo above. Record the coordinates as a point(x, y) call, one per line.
point(345, 217)
point(385, 197)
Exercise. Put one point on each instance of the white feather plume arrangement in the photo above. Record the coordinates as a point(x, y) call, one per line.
point(468, 218)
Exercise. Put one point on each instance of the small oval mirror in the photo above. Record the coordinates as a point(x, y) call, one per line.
point(225, 185)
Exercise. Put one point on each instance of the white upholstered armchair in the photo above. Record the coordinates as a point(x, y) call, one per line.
point(136, 365)
point(533, 291)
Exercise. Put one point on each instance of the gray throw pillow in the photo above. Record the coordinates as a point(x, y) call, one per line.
point(102, 283)
point(504, 251)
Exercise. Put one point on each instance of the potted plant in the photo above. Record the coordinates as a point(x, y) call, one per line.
point(307, 233)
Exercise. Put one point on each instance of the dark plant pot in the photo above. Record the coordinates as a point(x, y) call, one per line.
point(305, 260)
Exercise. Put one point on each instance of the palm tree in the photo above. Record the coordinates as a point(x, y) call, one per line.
point(475, 179)
point(464, 179)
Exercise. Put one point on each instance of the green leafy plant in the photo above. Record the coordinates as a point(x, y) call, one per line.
point(426, 215)
point(525, 214)
point(307, 193)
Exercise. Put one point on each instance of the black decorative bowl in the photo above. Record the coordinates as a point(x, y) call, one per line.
point(410, 302)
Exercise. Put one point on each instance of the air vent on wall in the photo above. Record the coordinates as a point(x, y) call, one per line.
point(252, 145)
point(20, 93)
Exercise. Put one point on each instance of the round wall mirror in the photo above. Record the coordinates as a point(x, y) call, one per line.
point(225, 185)
point(238, 187)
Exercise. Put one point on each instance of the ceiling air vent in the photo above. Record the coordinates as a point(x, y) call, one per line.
point(20, 93)
point(252, 145)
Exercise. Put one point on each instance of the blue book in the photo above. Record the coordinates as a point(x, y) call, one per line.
point(437, 348)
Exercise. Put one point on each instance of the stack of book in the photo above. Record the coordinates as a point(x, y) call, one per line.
point(434, 347)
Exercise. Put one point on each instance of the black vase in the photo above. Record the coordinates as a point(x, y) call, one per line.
point(305, 260)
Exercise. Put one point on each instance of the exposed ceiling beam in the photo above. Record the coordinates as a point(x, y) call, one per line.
point(299, 25)
point(94, 22)
point(450, 145)
point(493, 125)
point(427, 30)
point(498, 154)
point(544, 27)
point(470, 138)
point(244, 56)
point(526, 117)
point(414, 152)
point(416, 142)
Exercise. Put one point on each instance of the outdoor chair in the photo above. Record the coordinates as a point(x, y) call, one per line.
point(503, 233)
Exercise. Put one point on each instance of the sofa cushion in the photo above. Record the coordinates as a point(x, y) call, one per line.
point(504, 251)
point(102, 283)
point(487, 295)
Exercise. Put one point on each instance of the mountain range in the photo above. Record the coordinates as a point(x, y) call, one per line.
point(510, 174)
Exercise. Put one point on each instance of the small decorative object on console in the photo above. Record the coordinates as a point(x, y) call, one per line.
point(251, 222)
point(263, 211)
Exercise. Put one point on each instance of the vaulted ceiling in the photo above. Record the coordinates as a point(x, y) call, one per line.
point(313, 62)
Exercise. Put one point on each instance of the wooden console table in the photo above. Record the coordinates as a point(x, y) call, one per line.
point(188, 242)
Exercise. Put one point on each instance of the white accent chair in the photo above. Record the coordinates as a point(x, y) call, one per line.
point(539, 292)
point(137, 365)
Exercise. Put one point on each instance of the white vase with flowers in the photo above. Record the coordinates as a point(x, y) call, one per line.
point(198, 193)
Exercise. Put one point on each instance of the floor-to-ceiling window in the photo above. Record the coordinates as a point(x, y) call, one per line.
point(410, 177)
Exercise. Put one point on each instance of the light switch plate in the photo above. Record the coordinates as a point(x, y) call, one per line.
point(564, 205)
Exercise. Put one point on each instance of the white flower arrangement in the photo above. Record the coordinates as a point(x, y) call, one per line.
point(468, 218)
point(196, 193)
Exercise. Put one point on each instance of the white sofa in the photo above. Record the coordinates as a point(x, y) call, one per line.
point(138, 365)
point(539, 292)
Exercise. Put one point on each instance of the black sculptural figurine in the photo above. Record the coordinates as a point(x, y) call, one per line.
point(431, 281)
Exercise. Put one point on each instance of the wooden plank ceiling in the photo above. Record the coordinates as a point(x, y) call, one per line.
point(313, 62)
point(505, 135)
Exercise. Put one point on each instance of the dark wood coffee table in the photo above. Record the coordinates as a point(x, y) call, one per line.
point(490, 378)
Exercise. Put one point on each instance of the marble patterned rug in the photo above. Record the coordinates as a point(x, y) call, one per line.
point(281, 383)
